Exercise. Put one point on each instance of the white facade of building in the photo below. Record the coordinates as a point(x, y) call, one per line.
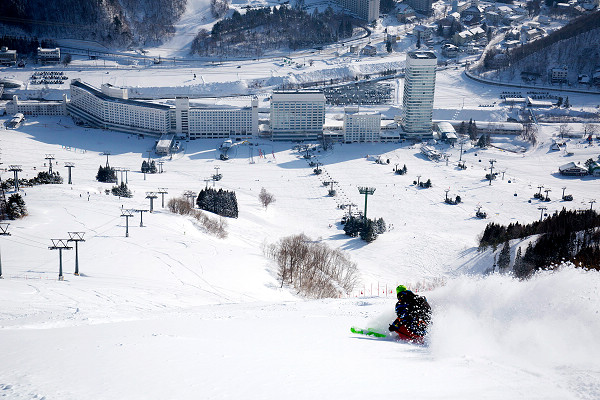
point(419, 88)
point(47, 56)
point(110, 108)
point(297, 115)
point(30, 107)
point(361, 127)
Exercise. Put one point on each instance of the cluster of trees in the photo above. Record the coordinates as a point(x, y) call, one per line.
point(42, 178)
point(566, 235)
point(13, 208)
point(272, 28)
point(424, 185)
point(106, 174)
point(120, 23)
point(182, 206)
point(470, 129)
point(221, 202)
point(313, 268)
point(402, 171)
point(367, 229)
point(484, 141)
point(456, 200)
point(121, 190)
point(149, 167)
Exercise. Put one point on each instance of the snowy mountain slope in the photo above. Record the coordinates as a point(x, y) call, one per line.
point(172, 312)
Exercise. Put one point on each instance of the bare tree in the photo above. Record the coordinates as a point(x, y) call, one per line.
point(530, 131)
point(590, 130)
point(266, 198)
point(564, 130)
point(312, 267)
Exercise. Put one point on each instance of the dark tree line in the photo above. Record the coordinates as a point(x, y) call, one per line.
point(221, 202)
point(121, 23)
point(42, 178)
point(276, 27)
point(566, 235)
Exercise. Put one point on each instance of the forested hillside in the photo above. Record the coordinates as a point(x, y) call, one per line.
point(115, 22)
point(575, 46)
point(265, 28)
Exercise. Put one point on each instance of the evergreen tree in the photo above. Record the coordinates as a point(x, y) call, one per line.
point(368, 233)
point(15, 207)
point(518, 261)
point(106, 174)
point(504, 258)
point(462, 129)
point(472, 130)
point(122, 190)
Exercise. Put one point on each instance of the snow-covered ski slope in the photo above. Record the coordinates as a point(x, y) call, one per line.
point(172, 312)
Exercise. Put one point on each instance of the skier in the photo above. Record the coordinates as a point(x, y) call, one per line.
point(414, 315)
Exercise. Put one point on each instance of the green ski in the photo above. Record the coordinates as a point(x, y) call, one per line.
point(368, 332)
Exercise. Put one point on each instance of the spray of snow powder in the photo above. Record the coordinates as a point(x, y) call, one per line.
point(551, 319)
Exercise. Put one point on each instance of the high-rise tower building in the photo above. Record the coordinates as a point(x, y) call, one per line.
point(364, 9)
point(419, 88)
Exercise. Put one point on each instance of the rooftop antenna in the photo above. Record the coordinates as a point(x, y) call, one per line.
point(70, 166)
point(49, 157)
point(76, 237)
point(3, 232)
point(60, 245)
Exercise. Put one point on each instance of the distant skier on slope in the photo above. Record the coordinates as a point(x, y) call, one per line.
point(414, 315)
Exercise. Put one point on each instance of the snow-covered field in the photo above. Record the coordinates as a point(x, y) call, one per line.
point(172, 312)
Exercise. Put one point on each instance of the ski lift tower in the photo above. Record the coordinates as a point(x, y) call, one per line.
point(366, 191)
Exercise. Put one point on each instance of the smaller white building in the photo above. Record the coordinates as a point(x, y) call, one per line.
point(361, 127)
point(7, 56)
point(34, 107)
point(48, 56)
point(559, 75)
point(369, 50)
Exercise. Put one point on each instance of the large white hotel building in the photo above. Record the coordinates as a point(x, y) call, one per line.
point(110, 108)
point(419, 88)
point(297, 115)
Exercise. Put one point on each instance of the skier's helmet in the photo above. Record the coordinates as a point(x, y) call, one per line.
point(400, 288)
